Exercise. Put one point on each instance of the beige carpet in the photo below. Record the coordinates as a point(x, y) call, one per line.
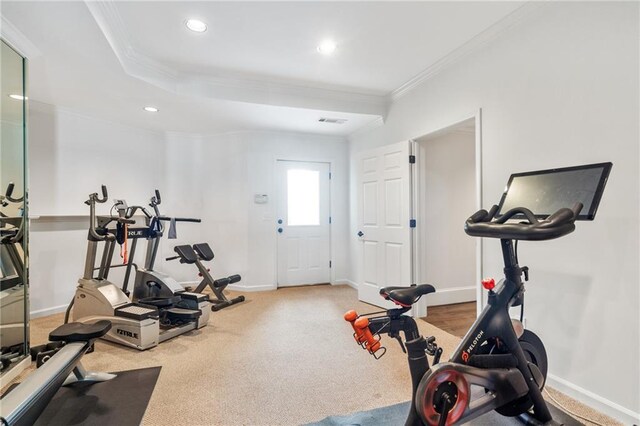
point(283, 357)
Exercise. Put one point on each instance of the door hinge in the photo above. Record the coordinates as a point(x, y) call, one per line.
point(329, 175)
point(412, 159)
point(329, 220)
point(412, 223)
point(329, 264)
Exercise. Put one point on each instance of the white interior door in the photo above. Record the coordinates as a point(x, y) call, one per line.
point(384, 214)
point(303, 223)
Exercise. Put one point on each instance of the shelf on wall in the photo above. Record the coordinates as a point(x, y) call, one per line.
point(66, 217)
point(52, 217)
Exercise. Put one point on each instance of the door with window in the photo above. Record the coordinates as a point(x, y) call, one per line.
point(303, 223)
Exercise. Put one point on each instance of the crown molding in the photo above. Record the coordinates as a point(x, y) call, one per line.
point(257, 89)
point(373, 124)
point(137, 65)
point(18, 41)
point(471, 46)
point(243, 132)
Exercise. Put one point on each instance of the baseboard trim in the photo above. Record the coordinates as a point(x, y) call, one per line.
point(47, 311)
point(593, 400)
point(449, 296)
point(345, 281)
point(251, 288)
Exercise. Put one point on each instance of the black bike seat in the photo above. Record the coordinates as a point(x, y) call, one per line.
point(406, 296)
point(78, 332)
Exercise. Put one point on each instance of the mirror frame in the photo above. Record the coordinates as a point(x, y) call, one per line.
point(25, 361)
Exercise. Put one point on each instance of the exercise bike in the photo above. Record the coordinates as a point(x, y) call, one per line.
point(506, 363)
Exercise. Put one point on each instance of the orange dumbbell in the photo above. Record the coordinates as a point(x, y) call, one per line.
point(362, 334)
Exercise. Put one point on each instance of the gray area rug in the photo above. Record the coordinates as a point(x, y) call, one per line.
point(397, 414)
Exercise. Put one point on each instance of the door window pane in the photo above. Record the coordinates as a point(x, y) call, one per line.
point(303, 197)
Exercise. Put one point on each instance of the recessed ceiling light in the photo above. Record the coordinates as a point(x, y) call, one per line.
point(327, 47)
point(151, 109)
point(18, 97)
point(196, 25)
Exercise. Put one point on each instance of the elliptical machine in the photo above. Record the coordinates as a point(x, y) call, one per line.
point(506, 363)
point(150, 286)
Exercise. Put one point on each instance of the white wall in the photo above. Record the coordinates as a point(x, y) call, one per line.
point(559, 89)
point(447, 190)
point(70, 156)
point(208, 177)
point(224, 172)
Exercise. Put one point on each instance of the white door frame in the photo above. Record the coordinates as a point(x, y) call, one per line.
point(331, 212)
point(421, 310)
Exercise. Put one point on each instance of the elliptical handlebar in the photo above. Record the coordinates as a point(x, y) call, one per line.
point(91, 202)
point(131, 211)
point(560, 223)
point(156, 200)
point(9, 192)
point(180, 219)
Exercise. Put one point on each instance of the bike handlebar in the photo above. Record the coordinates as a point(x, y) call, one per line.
point(560, 223)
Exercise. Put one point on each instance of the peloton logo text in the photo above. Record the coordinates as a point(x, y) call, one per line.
point(465, 354)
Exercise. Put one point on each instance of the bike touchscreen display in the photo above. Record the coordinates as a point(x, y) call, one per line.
point(545, 191)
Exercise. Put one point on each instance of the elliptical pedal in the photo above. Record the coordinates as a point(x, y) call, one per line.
point(197, 297)
point(136, 311)
point(179, 316)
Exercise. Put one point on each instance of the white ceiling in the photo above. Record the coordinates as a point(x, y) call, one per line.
point(255, 68)
point(381, 45)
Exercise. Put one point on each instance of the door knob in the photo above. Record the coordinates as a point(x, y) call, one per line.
point(280, 230)
point(360, 234)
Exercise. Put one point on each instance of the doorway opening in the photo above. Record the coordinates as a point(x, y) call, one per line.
point(303, 223)
point(447, 192)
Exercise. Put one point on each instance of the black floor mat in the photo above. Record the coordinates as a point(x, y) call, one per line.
point(121, 401)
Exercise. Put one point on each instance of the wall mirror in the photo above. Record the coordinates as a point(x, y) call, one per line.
point(14, 342)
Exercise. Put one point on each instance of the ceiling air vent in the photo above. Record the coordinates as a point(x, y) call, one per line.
point(332, 120)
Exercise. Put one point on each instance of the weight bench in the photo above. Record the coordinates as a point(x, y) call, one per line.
point(202, 252)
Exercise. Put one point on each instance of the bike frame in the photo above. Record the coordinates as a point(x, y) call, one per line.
point(392, 323)
point(494, 321)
